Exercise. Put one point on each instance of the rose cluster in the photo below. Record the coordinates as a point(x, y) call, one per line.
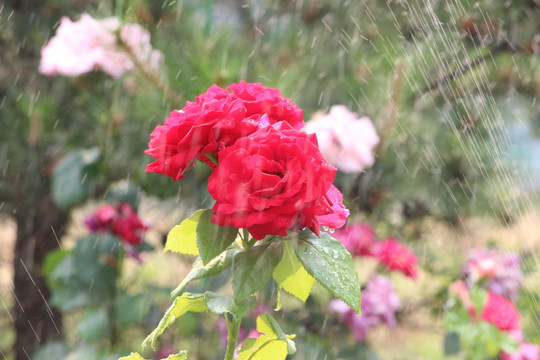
point(360, 240)
point(499, 271)
point(120, 220)
point(91, 44)
point(379, 306)
point(268, 176)
point(500, 274)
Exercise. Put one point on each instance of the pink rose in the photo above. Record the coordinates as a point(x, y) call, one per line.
point(501, 312)
point(216, 120)
point(396, 256)
point(358, 238)
point(340, 213)
point(345, 140)
point(272, 181)
point(90, 44)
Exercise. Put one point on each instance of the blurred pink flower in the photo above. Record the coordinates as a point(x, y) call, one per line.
point(526, 351)
point(500, 270)
point(90, 44)
point(396, 256)
point(120, 220)
point(345, 140)
point(359, 239)
point(501, 312)
point(379, 306)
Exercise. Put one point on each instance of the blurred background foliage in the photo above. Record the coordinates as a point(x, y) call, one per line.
point(451, 87)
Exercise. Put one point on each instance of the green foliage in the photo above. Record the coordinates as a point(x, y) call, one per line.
point(330, 264)
point(200, 271)
point(131, 309)
point(209, 301)
point(291, 275)
point(73, 178)
point(253, 267)
point(94, 324)
point(213, 239)
point(134, 356)
point(87, 275)
point(220, 304)
point(183, 238)
point(474, 337)
point(181, 305)
point(272, 344)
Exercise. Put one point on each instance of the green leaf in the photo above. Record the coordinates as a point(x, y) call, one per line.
point(87, 275)
point(254, 267)
point(200, 271)
point(183, 238)
point(52, 260)
point(451, 343)
point(73, 177)
point(94, 324)
point(263, 348)
point(123, 191)
point(180, 306)
point(132, 356)
point(291, 275)
point(213, 239)
point(182, 355)
point(221, 304)
point(51, 350)
point(131, 309)
point(267, 325)
point(331, 265)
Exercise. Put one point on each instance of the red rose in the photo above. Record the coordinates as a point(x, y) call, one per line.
point(259, 100)
point(359, 239)
point(213, 122)
point(396, 256)
point(120, 220)
point(501, 312)
point(272, 181)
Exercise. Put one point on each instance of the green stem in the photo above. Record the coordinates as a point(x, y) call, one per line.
point(232, 337)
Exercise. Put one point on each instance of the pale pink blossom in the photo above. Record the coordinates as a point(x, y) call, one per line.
point(345, 140)
point(91, 44)
point(380, 303)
